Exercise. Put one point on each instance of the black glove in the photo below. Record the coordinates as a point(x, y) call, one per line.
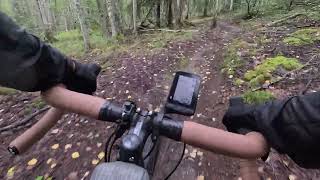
point(81, 77)
point(291, 126)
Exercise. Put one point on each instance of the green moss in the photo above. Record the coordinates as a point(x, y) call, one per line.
point(7, 91)
point(303, 37)
point(257, 97)
point(238, 82)
point(38, 103)
point(232, 60)
point(263, 71)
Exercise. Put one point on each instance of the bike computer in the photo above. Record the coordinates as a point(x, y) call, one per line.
point(183, 95)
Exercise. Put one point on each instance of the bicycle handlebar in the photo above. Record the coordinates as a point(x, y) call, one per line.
point(250, 146)
point(23, 142)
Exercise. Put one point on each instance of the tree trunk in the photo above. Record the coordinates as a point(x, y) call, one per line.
point(112, 18)
point(185, 11)
point(180, 7)
point(231, 5)
point(205, 10)
point(134, 15)
point(103, 17)
point(170, 16)
point(83, 26)
point(43, 19)
point(158, 13)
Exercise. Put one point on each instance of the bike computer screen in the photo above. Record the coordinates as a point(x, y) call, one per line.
point(183, 94)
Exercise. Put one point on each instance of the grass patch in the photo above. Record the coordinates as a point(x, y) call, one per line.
point(71, 42)
point(7, 91)
point(232, 60)
point(160, 40)
point(38, 103)
point(262, 72)
point(257, 97)
point(303, 37)
point(238, 82)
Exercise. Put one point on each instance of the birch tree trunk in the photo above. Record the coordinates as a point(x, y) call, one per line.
point(231, 5)
point(112, 18)
point(83, 26)
point(134, 15)
point(103, 17)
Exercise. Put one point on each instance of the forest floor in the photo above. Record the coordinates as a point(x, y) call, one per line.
point(145, 77)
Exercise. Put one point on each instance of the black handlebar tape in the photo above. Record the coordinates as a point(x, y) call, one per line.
point(171, 128)
point(110, 112)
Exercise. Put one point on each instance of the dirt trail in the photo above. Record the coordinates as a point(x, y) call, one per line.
point(206, 61)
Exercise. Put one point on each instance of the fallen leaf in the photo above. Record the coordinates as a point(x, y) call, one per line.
point(129, 97)
point(67, 146)
point(260, 169)
point(95, 161)
point(75, 155)
point(193, 154)
point(292, 177)
point(55, 146)
point(101, 155)
point(32, 162)
point(201, 177)
point(200, 153)
point(49, 160)
point(86, 174)
point(39, 178)
point(127, 91)
point(53, 165)
point(55, 131)
point(10, 172)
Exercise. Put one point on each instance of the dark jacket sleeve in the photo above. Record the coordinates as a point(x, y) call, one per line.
point(291, 126)
point(27, 63)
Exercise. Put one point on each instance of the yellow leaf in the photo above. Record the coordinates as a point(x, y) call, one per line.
point(129, 97)
point(75, 155)
point(95, 161)
point(10, 172)
point(55, 146)
point(200, 177)
point(53, 165)
point(101, 155)
point(49, 160)
point(32, 162)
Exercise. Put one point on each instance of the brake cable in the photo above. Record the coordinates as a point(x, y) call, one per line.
point(107, 144)
point(180, 160)
point(151, 150)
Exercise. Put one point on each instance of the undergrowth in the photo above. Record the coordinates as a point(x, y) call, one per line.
point(257, 97)
point(7, 91)
point(303, 37)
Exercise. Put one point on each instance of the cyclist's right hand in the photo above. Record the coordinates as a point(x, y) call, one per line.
point(291, 126)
